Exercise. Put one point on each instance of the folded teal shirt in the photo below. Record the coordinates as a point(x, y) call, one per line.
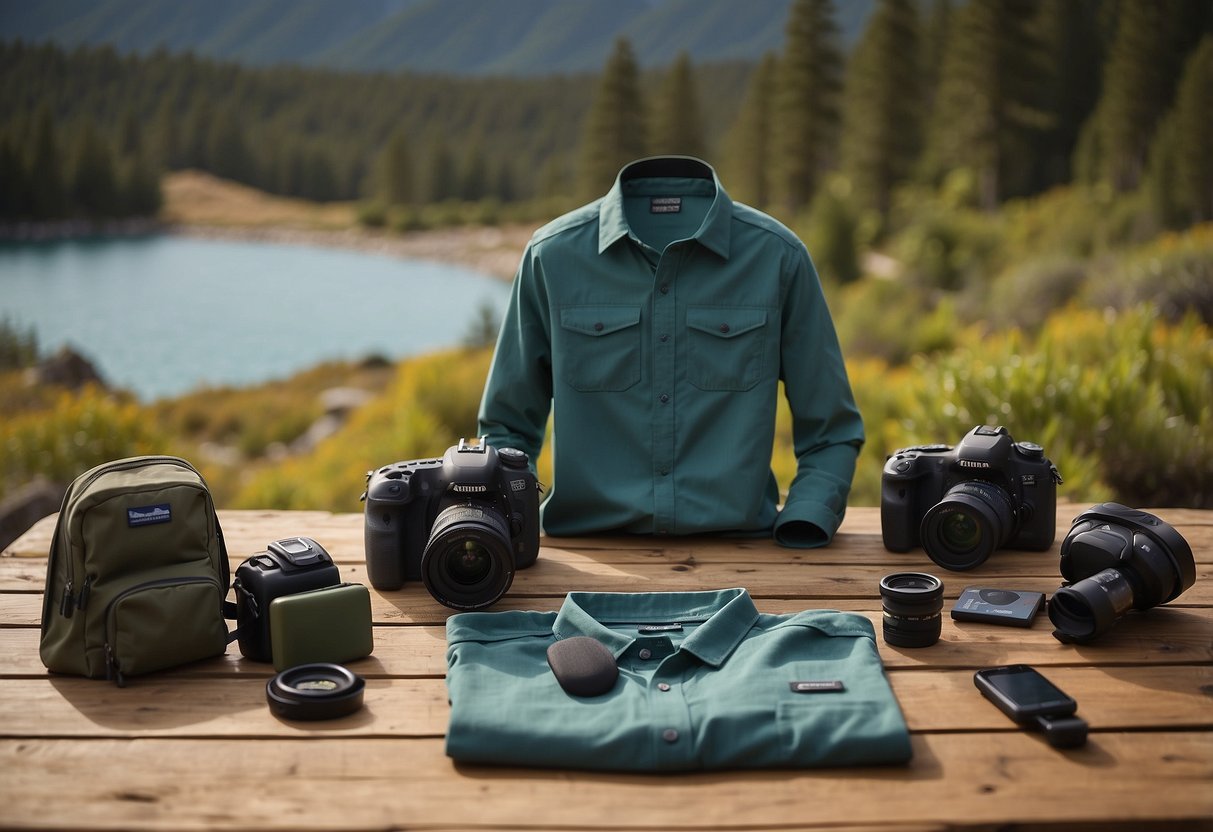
point(705, 682)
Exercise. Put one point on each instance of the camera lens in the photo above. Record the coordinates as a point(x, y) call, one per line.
point(467, 563)
point(1118, 559)
point(964, 528)
point(1089, 608)
point(469, 566)
point(913, 605)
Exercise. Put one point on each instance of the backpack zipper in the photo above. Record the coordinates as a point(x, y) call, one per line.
point(68, 603)
point(112, 671)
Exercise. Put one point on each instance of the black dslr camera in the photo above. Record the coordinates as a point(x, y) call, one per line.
point(286, 567)
point(961, 503)
point(462, 524)
point(1117, 559)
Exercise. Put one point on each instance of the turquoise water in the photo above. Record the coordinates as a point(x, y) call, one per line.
point(163, 315)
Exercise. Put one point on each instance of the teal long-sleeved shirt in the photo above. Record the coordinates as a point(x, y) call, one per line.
point(655, 325)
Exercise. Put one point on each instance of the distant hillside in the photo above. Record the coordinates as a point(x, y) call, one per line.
point(465, 37)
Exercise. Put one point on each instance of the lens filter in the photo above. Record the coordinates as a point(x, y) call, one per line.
point(913, 608)
point(315, 691)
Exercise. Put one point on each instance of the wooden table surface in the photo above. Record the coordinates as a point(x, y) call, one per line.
point(197, 747)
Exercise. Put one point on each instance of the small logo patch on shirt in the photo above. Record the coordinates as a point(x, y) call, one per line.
point(659, 628)
point(818, 686)
point(665, 204)
point(149, 515)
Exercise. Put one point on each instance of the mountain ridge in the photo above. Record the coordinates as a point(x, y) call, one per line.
point(456, 37)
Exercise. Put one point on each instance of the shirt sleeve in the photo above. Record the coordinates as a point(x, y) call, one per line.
point(518, 392)
point(827, 430)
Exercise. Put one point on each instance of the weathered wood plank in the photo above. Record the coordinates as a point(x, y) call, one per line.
point(1160, 637)
point(248, 531)
point(165, 705)
point(1006, 778)
point(792, 579)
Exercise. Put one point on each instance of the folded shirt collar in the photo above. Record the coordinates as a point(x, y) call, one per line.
point(724, 618)
point(682, 174)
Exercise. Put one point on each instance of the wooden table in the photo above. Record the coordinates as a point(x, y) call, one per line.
point(198, 748)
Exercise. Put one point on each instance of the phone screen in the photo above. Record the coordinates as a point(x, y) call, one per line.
point(1025, 687)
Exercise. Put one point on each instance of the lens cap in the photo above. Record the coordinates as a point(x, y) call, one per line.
point(315, 691)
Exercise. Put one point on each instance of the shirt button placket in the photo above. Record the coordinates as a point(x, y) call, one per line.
point(664, 350)
point(672, 733)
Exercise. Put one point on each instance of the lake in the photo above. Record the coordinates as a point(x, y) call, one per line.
point(163, 315)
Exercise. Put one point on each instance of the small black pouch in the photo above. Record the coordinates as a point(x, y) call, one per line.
point(583, 666)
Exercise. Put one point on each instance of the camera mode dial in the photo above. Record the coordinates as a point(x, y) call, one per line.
point(513, 458)
point(1030, 450)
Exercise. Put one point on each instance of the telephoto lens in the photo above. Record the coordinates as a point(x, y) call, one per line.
point(913, 608)
point(1117, 559)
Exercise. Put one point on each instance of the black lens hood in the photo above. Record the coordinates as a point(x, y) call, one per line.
point(1172, 543)
point(315, 691)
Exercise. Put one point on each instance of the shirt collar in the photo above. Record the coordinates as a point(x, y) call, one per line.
point(713, 232)
point(727, 616)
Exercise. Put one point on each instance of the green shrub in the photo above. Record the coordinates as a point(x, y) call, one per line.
point(18, 346)
point(1174, 273)
point(79, 431)
point(1119, 400)
point(892, 319)
point(372, 214)
point(1026, 294)
point(430, 404)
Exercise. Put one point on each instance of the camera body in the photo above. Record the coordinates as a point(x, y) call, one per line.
point(288, 566)
point(961, 503)
point(461, 524)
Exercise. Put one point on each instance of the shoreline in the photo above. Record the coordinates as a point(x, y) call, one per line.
point(491, 250)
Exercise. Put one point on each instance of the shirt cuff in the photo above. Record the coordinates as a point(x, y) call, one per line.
point(805, 525)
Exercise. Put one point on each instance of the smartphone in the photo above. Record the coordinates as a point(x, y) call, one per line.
point(1022, 693)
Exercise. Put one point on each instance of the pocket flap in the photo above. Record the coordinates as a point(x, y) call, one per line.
point(599, 320)
point(725, 322)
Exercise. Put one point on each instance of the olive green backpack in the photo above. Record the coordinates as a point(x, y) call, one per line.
point(138, 573)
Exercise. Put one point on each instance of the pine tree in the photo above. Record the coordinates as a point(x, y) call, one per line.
point(988, 114)
point(934, 46)
point(164, 136)
point(438, 179)
point(227, 152)
point(473, 173)
point(93, 186)
point(1137, 88)
point(832, 233)
point(677, 122)
point(397, 182)
point(1072, 46)
point(882, 106)
point(749, 148)
point(15, 194)
point(129, 139)
point(139, 185)
point(192, 150)
point(46, 197)
point(806, 103)
point(1181, 165)
point(615, 129)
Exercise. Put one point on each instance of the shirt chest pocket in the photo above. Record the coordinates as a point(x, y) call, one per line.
point(726, 347)
point(599, 347)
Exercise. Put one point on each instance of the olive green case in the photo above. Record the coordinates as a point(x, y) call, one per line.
point(332, 624)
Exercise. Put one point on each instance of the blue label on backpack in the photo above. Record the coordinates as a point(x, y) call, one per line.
point(149, 515)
